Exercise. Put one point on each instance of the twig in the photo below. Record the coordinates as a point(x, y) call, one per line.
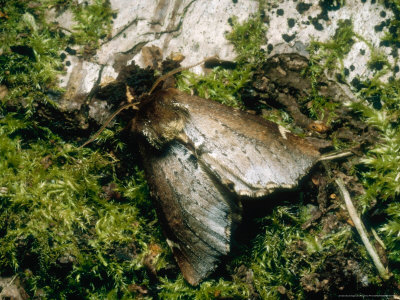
point(383, 272)
point(378, 239)
point(335, 155)
point(12, 280)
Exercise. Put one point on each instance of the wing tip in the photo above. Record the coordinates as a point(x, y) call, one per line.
point(189, 272)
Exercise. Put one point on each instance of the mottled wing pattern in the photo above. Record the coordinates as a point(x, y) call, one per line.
point(252, 155)
point(199, 212)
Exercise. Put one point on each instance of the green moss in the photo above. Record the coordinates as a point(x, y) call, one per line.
point(320, 105)
point(331, 53)
point(380, 172)
point(380, 105)
point(378, 61)
point(61, 228)
point(247, 38)
point(31, 47)
point(328, 56)
point(285, 252)
point(281, 117)
point(221, 85)
point(29, 62)
point(225, 85)
point(211, 289)
point(58, 224)
point(392, 36)
point(93, 24)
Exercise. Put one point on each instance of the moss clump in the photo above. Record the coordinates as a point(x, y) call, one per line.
point(380, 172)
point(225, 85)
point(247, 38)
point(69, 226)
point(221, 85)
point(379, 108)
point(211, 289)
point(328, 56)
point(93, 24)
point(378, 61)
point(31, 46)
point(287, 259)
point(392, 36)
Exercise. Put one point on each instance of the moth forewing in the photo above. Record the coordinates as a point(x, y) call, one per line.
point(255, 155)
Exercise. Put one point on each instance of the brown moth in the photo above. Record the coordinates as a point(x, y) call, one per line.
point(202, 159)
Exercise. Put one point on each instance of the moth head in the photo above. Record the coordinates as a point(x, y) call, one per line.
point(160, 119)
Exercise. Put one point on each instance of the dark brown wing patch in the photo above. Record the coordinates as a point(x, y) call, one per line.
point(200, 213)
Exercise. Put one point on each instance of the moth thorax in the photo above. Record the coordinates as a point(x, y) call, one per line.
point(164, 123)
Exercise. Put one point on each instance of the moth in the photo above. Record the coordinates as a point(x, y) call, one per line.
point(202, 160)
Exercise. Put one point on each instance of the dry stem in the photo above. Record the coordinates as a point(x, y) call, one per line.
point(383, 272)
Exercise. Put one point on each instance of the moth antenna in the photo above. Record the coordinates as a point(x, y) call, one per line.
point(180, 69)
point(133, 105)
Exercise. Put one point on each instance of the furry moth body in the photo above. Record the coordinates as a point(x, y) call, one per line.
point(202, 159)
